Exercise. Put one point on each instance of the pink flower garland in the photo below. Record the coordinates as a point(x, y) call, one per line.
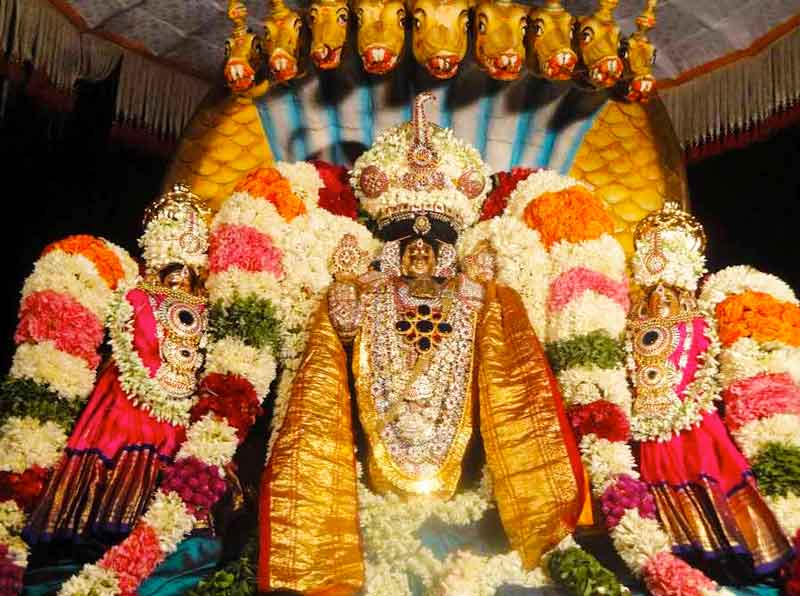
point(245, 248)
point(667, 575)
point(760, 397)
point(134, 559)
point(56, 317)
point(626, 493)
point(572, 283)
point(197, 483)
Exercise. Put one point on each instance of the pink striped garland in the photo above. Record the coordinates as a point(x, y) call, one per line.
point(57, 317)
point(134, 559)
point(572, 283)
point(760, 397)
point(244, 248)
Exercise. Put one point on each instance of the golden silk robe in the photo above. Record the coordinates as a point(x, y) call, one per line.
point(309, 530)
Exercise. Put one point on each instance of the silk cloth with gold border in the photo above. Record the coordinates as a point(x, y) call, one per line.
point(309, 512)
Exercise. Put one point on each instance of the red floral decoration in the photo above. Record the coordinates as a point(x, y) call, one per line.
point(231, 397)
point(10, 573)
point(25, 488)
point(604, 419)
point(505, 184)
point(197, 483)
point(337, 196)
point(134, 559)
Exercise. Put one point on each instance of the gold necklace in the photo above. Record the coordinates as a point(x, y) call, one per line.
point(174, 293)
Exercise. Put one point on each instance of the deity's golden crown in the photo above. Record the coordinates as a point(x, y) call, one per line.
point(176, 230)
point(419, 168)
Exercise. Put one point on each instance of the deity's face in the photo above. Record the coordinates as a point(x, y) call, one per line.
point(419, 259)
point(177, 277)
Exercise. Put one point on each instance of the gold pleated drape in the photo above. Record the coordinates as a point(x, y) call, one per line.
point(309, 535)
point(534, 463)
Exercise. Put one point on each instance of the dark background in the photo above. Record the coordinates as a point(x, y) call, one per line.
point(63, 176)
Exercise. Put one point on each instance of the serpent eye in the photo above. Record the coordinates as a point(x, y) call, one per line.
point(298, 24)
point(417, 24)
point(481, 26)
point(538, 27)
point(587, 35)
point(342, 18)
point(653, 58)
point(523, 25)
point(401, 18)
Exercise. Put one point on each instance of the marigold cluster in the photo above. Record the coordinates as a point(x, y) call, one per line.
point(760, 316)
point(268, 184)
point(573, 214)
point(97, 251)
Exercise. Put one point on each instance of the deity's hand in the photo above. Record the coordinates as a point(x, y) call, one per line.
point(344, 307)
point(481, 264)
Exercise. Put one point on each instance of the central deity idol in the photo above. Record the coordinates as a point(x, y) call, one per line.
point(444, 362)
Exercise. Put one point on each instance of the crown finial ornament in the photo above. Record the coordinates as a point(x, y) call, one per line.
point(419, 168)
point(669, 249)
point(176, 230)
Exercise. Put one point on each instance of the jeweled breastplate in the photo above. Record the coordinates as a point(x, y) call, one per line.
point(413, 364)
point(181, 328)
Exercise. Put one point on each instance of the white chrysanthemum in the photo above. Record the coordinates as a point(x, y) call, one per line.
point(389, 153)
point(740, 279)
point(67, 375)
point(582, 385)
point(232, 356)
point(778, 428)
point(535, 186)
point(211, 440)
point(304, 180)
point(224, 287)
point(588, 312)
point(17, 547)
point(747, 358)
point(787, 512)
point(92, 580)
point(684, 263)
point(605, 460)
point(604, 255)
point(27, 442)
point(129, 265)
point(637, 539)
point(381, 579)
point(170, 519)
point(522, 262)
point(12, 518)
point(162, 244)
point(74, 275)
point(243, 209)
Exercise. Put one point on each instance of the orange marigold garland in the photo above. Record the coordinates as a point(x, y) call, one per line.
point(573, 214)
point(268, 184)
point(759, 316)
point(97, 251)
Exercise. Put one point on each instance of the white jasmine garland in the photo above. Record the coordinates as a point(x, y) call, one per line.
point(67, 375)
point(382, 579)
point(778, 428)
point(605, 460)
point(92, 580)
point(231, 356)
point(522, 261)
point(535, 186)
point(211, 440)
point(684, 265)
point(74, 275)
point(12, 518)
point(304, 180)
point(134, 377)
point(604, 255)
point(243, 209)
point(233, 283)
point(748, 358)
point(170, 519)
point(130, 267)
point(161, 244)
point(588, 312)
point(787, 512)
point(17, 548)
point(637, 539)
point(740, 279)
point(582, 385)
point(27, 442)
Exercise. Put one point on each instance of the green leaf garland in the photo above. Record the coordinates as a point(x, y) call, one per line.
point(25, 397)
point(596, 348)
point(250, 319)
point(580, 574)
point(777, 468)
